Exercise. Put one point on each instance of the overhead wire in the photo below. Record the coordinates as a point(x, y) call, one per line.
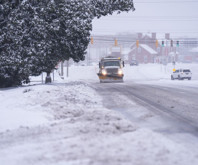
point(176, 32)
point(165, 2)
point(190, 41)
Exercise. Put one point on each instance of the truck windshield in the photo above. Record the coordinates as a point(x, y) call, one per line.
point(111, 63)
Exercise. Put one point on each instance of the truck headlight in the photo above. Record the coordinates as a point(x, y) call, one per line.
point(120, 71)
point(104, 72)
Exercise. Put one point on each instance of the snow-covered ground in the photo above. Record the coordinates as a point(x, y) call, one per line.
point(65, 123)
point(158, 74)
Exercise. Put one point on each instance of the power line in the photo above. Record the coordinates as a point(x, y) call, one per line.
point(181, 42)
point(158, 20)
point(147, 40)
point(169, 16)
point(148, 18)
point(166, 2)
point(151, 18)
point(193, 32)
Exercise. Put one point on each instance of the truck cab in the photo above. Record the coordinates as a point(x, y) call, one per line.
point(111, 69)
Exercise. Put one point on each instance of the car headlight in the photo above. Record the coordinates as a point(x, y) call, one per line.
point(120, 71)
point(104, 72)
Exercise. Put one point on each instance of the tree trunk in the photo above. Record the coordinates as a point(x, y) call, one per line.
point(48, 78)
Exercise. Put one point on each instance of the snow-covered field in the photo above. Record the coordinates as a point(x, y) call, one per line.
point(65, 123)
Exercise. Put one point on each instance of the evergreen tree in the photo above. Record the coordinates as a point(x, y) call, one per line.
point(12, 63)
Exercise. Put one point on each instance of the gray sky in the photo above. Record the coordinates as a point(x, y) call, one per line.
point(179, 17)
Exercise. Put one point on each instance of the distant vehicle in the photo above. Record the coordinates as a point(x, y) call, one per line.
point(110, 69)
point(134, 62)
point(181, 74)
point(82, 64)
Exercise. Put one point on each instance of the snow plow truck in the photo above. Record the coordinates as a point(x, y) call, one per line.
point(110, 70)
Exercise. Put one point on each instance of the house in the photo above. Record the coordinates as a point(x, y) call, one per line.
point(146, 52)
point(143, 54)
point(150, 50)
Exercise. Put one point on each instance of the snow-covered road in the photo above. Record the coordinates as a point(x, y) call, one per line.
point(79, 121)
point(177, 108)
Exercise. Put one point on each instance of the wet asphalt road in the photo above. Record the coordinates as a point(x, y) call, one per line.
point(176, 109)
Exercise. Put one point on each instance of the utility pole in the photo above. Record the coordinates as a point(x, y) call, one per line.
point(67, 68)
point(89, 54)
point(62, 70)
point(53, 74)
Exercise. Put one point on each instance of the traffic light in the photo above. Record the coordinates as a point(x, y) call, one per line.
point(177, 43)
point(171, 43)
point(137, 43)
point(116, 42)
point(156, 43)
point(92, 40)
point(162, 43)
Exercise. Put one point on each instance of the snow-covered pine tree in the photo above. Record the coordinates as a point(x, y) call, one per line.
point(12, 70)
point(63, 31)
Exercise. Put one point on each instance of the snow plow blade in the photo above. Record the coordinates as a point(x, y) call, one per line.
point(106, 79)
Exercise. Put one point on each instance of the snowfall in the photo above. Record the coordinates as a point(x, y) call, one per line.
point(66, 123)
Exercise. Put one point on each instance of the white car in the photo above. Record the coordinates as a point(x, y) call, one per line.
point(181, 74)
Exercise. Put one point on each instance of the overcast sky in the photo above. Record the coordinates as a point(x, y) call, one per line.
point(179, 17)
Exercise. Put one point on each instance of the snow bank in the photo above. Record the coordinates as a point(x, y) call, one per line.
point(17, 110)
